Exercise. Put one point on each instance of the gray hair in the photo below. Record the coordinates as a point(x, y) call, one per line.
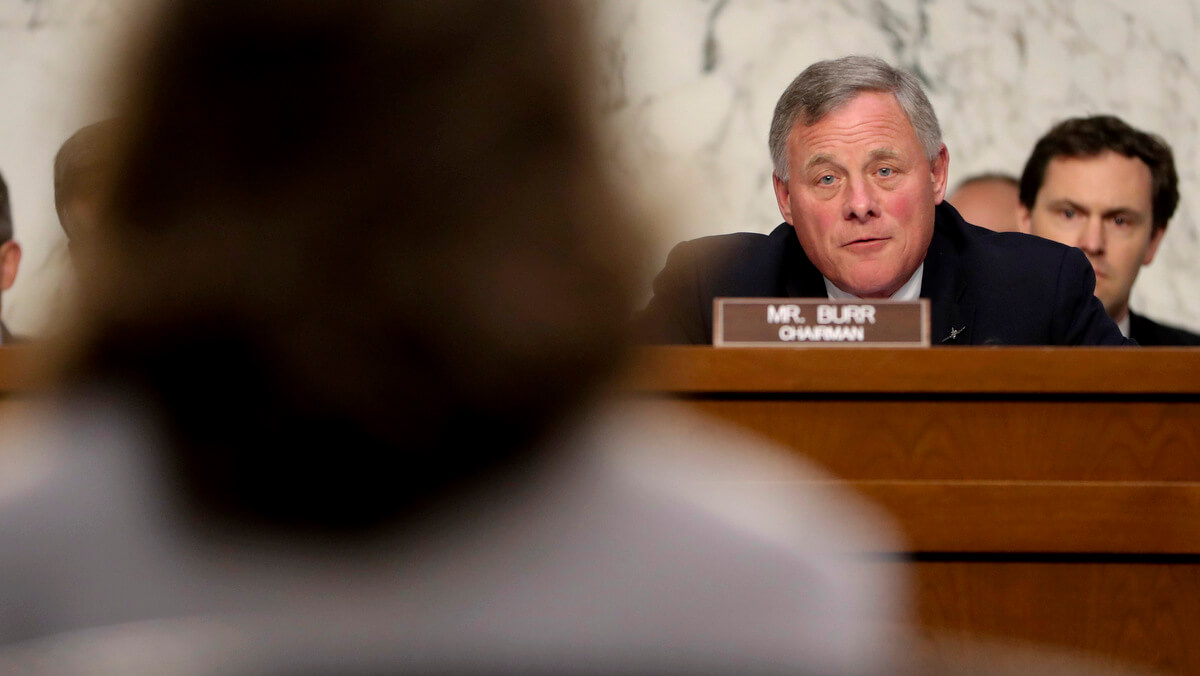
point(826, 86)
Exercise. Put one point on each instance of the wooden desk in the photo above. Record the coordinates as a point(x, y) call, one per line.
point(23, 370)
point(1049, 495)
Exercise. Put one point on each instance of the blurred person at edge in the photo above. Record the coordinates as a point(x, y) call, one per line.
point(989, 201)
point(10, 258)
point(337, 403)
point(82, 167)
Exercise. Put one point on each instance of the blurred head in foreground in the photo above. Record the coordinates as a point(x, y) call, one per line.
point(989, 201)
point(348, 236)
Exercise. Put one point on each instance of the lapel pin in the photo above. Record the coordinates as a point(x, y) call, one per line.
point(954, 333)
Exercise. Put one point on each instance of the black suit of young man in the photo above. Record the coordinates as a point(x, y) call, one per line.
point(985, 288)
point(1147, 332)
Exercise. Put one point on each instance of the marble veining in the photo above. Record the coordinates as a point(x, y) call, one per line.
point(689, 87)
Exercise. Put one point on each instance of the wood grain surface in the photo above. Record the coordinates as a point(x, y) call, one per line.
point(1041, 370)
point(1046, 495)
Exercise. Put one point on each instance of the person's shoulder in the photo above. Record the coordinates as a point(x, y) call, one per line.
point(1019, 255)
point(735, 246)
point(1148, 332)
point(737, 264)
point(974, 240)
point(1014, 243)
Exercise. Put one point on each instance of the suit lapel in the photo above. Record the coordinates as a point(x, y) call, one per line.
point(952, 314)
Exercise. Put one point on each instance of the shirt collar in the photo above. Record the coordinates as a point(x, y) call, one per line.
point(1124, 325)
point(910, 291)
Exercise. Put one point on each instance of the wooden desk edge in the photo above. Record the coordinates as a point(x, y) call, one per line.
point(1036, 370)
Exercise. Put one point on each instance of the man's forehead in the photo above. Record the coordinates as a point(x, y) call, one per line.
point(862, 119)
point(1104, 178)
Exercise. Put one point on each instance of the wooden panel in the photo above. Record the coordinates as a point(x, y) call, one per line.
point(22, 369)
point(949, 370)
point(993, 440)
point(1059, 517)
point(1053, 495)
point(1145, 613)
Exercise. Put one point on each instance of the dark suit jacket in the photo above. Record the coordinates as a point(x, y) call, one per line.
point(1149, 332)
point(1005, 288)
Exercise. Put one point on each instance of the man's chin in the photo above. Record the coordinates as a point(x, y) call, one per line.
point(1112, 307)
point(870, 288)
point(874, 280)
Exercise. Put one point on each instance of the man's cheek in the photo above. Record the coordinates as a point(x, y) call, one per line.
point(900, 207)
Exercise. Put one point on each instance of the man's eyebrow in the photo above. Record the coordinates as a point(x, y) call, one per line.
point(820, 158)
point(885, 154)
point(1066, 202)
point(1125, 211)
point(1107, 213)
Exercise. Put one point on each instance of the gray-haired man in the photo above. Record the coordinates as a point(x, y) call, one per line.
point(860, 175)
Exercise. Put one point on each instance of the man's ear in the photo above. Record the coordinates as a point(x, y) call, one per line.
point(1024, 220)
point(1155, 239)
point(10, 260)
point(939, 173)
point(782, 195)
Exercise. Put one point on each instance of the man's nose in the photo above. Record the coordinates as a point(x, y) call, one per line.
point(861, 203)
point(1091, 239)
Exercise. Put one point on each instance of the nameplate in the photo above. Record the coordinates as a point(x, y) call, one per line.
point(809, 322)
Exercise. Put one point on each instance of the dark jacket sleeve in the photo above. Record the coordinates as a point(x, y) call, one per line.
point(1080, 318)
point(674, 315)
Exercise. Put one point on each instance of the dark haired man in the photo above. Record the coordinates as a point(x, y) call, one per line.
point(10, 256)
point(1099, 184)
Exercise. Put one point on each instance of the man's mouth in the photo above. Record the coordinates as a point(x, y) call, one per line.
point(865, 242)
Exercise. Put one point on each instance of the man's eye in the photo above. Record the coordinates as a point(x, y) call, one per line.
point(886, 171)
point(1120, 220)
point(826, 180)
point(1068, 213)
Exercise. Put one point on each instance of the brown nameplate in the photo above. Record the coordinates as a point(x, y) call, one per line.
point(805, 322)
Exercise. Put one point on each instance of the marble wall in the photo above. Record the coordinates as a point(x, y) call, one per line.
point(689, 87)
point(53, 56)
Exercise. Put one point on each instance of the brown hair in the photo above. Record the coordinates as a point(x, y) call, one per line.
point(359, 251)
point(1090, 136)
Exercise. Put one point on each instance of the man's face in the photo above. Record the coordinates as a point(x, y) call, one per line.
point(861, 194)
point(1101, 204)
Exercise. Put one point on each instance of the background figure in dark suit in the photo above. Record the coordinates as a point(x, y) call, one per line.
point(860, 173)
point(10, 257)
point(1099, 184)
